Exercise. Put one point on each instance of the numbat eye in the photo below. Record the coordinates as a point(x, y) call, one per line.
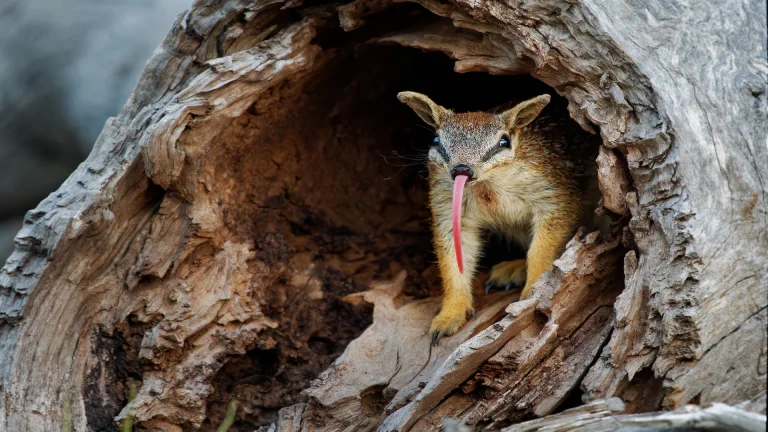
point(504, 142)
point(436, 140)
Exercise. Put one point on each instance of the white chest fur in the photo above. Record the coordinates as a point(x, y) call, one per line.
point(508, 201)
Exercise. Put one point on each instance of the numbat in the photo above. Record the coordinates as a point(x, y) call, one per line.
point(527, 176)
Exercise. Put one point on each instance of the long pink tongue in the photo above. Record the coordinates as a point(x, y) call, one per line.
point(458, 193)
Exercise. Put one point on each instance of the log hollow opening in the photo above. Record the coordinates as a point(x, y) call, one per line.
point(326, 176)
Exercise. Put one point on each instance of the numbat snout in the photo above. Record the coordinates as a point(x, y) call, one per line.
point(526, 173)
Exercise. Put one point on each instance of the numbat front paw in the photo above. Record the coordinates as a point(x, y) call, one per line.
point(507, 274)
point(448, 322)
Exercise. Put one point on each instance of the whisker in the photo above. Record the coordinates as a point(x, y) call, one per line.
point(395, 174)
point(414, 158)
point(410, 164)
point(424, 127)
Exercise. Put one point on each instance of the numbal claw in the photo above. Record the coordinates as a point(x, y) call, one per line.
point(436, 337)
point(508, 286)
point(488, 286)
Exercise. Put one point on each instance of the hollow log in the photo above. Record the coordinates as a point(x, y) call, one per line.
point(250, 226)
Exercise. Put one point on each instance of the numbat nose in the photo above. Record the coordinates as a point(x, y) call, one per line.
point(462, 170)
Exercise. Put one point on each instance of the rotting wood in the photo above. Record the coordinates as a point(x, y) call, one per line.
point(472, 50)
point(411, 383)
point(614, 181)
point(142, 255)
point(353, 393)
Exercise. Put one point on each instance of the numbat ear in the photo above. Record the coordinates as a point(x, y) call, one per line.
point(524, 112)
point(432, 113)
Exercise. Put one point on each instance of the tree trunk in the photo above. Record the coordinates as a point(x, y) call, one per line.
point(228, 234)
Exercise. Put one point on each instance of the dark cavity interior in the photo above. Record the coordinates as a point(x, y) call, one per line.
point(333, 194)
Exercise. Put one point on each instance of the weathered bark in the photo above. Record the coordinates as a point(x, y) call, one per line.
point(204, 248)
point(605, 415)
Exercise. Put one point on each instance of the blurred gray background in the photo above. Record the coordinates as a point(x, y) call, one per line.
point(65, 67)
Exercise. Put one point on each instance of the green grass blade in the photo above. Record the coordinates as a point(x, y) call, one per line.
point(128, 421)
point(229, 418)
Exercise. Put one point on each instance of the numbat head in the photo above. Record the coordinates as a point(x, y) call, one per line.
point(526, 177)
point(475, 142)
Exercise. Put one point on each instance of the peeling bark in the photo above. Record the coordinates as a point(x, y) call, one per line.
point(223, 238)
point(605, 416)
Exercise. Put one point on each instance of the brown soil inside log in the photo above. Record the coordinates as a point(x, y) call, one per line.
point(326, 177)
